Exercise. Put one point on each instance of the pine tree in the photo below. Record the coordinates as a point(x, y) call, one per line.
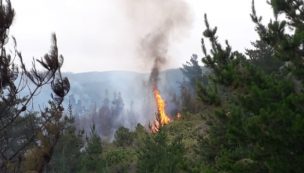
point(159, 155)
point(254, 127)
point(262, 57)
point(194, 77)
point(123, 137)
point(193, 71)
point(262, 117)
point(67, 153)
point(105, 117)
point(92, 160)
point(21, 130)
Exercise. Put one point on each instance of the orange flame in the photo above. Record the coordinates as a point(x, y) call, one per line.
point(160, 103)
point(161, 117)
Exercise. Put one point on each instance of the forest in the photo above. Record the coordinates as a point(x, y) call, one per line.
point(239, 112)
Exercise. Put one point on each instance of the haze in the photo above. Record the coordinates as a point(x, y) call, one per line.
point(99, 35)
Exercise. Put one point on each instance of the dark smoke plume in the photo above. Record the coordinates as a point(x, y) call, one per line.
point(161, 22)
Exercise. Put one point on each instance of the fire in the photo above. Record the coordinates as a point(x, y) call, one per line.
point(161, 117)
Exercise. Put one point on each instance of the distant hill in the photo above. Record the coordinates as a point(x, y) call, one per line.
point(89, 89)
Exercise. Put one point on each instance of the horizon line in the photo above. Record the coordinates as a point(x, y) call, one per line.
point(105, 71)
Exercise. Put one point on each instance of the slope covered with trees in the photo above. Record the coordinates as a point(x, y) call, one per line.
point(245, 115)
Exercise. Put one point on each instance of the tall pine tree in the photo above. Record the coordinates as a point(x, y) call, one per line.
point(259, 124)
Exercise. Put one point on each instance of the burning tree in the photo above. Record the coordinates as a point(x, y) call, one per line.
point(161, 116)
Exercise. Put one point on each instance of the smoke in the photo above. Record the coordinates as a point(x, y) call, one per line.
point(154, 26)
point(159, 24)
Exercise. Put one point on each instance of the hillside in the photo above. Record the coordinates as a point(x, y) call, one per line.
point(90, 89)
point(239, 113)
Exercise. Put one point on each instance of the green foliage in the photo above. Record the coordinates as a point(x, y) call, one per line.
point(254, 127)
point(121, 155)
point(27, 138)
point(250, 118)
point(222, 61)
point(66, 157)
point(123, 137)
point(194, 77)
point(92, 160)
point(120, 160)
point(287, 46)
point(192, 70)
point(139, 136)
point(262, 57)
point(209, 94)
point(159, 155)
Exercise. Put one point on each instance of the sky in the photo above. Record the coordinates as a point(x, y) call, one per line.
point(99, 35)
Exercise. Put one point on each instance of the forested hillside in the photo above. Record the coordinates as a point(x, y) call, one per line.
point(240, 112)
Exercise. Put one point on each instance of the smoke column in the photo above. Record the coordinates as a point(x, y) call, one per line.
point(154, 26)
point(159, 23)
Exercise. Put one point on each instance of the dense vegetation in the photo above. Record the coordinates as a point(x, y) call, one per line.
point(244, 115)
point(27, 139)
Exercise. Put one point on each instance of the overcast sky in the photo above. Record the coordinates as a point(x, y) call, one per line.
point(97, 35)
